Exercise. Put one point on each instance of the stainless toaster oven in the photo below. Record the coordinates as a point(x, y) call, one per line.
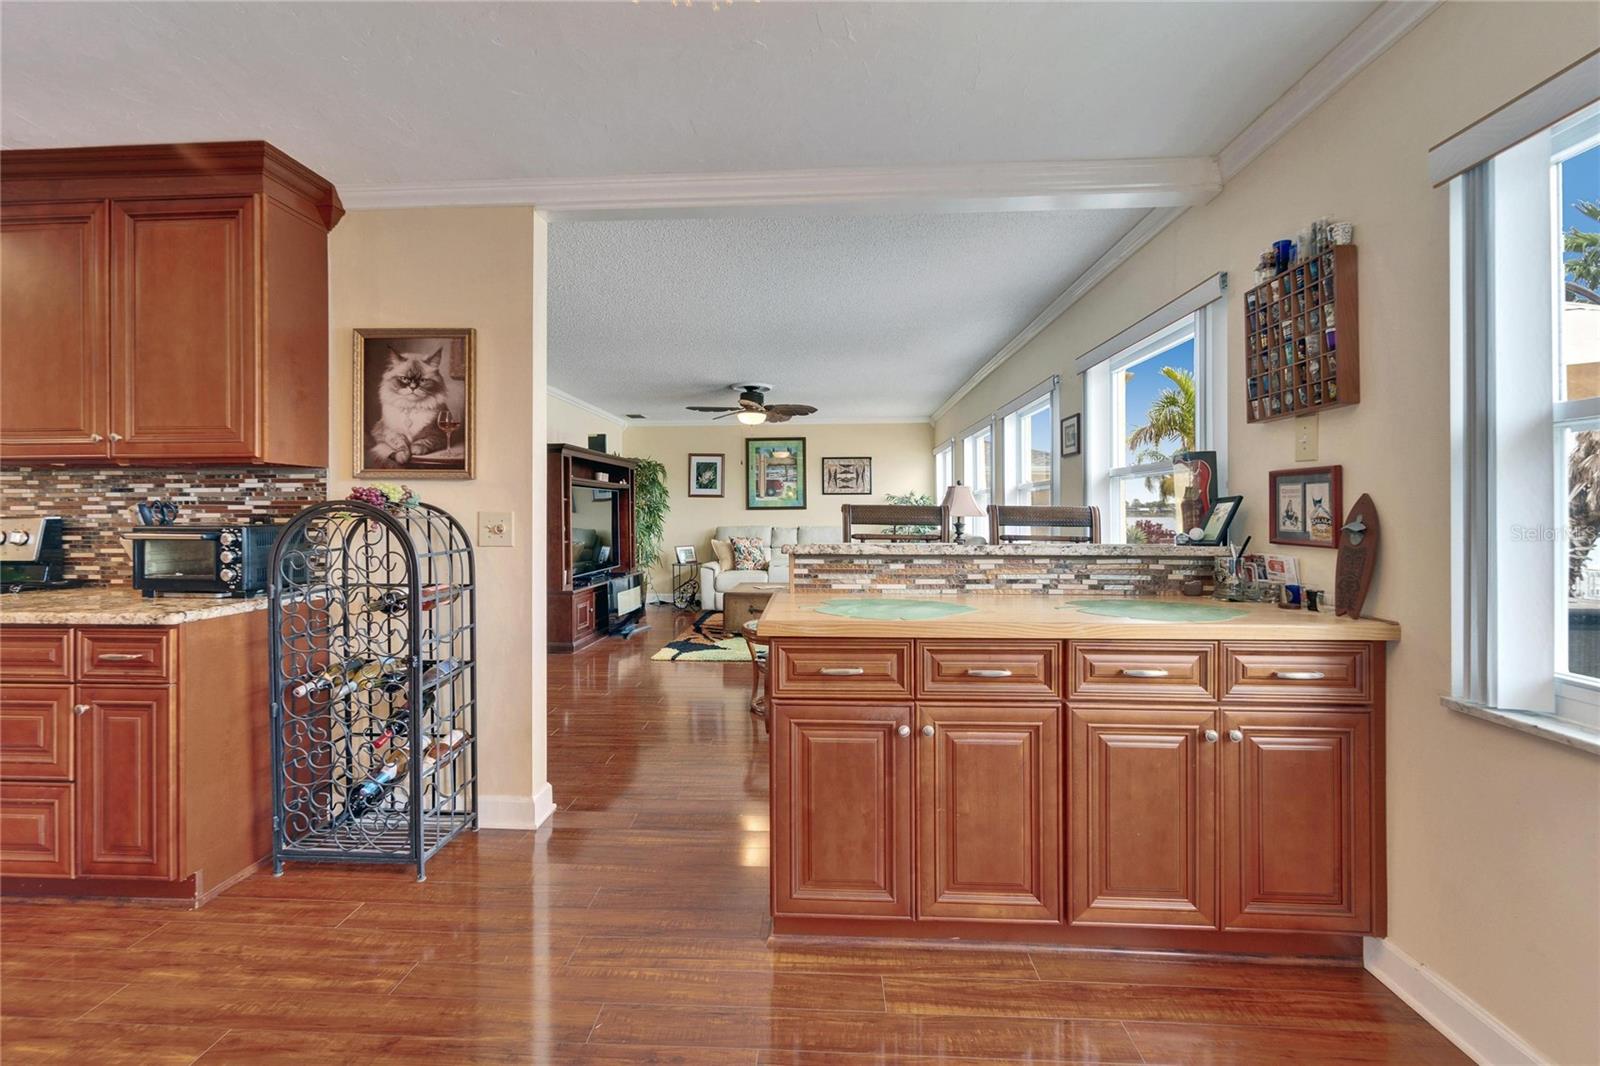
point(202, 560)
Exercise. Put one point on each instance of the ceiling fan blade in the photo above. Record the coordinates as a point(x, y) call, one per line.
point(749, 405)
point(710, 409)
point(725, 414)
point(776, 416)
point(789, 410)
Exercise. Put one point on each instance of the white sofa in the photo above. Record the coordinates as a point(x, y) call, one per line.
point(714, 580)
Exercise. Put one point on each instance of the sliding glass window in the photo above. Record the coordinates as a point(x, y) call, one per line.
point(977, 471)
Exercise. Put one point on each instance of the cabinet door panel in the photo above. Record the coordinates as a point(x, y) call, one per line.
point(183, 338)
point(1143, 848)
point(989, 810)
point(1296, 811)
point(36, 732)
point(125, 783)
point(842, 809)
point(35, 829)
point(53, 331)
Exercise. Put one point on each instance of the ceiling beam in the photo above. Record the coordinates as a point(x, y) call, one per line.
point(1038, 186)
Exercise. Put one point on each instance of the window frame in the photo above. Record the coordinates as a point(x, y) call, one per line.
point(944, 469)
point(978, 527)
point(1013, 415)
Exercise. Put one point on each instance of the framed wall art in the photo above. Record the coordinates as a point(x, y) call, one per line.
point(705, 473)
point(415, 403)
point(847, 477)
point(775, 473)
point(1070, 428)
point(1307, 505)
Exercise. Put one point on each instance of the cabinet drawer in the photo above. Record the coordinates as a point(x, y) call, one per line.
point(583, 619)
point(844, 668)
point(36, 732)
point(1297, 673)
point(983, 670)
point(35, 653)
point(143, 654)
point(36, 830)
point(1119, 670)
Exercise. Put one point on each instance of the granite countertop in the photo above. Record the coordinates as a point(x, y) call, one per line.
point(931, 549)
point(101, 605)
point(996, 615)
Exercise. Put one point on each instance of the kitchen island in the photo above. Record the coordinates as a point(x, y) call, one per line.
point(1164, 773)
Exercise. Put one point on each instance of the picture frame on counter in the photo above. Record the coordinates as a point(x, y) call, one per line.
point(847, 477)
point(1071, 434)
point(1307, 505)
point(706, 472)
point(415, 398)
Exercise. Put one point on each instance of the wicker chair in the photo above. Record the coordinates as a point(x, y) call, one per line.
point(1084, 519)
point(888, 514)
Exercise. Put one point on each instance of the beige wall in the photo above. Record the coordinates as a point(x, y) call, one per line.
point(1494, 836)
point(570, 423)
point(478, 268)
point(902, 461)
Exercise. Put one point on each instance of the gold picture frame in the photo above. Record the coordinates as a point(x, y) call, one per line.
point(391, 412)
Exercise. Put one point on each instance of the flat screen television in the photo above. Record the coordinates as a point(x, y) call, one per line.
point(594, 532)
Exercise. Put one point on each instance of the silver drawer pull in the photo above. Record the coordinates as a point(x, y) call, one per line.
point(988, 673)
point(1299, 675)
point(842, 671)
point(121, 657)
point(1144, 673)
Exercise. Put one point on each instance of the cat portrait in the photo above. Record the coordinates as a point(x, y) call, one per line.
point(414, 403)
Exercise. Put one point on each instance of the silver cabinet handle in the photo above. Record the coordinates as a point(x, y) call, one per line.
point(81, 709)
point(1211, 736)
point(120, 657)
point(96, 438)
point(1144, 673)
point(904, 731)
point(1236, 735)
point(842, 671)
point(988, 673)
point(115, 437)
point(1299, 675)
point(927, 730)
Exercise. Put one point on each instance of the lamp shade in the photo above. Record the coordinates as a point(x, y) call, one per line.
point(962, 503)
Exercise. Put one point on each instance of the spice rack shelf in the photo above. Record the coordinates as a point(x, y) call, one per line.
point(1302, 353)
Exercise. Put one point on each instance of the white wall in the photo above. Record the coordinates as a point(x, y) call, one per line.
point(1494, 836)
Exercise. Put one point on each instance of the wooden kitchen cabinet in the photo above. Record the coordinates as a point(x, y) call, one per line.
point(989, 805)
point(125, 782)
point(1143, 843)
point(137, 324)
point(842, 809)
point(1297, 826)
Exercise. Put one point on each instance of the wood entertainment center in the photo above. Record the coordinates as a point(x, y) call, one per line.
point(580, 605)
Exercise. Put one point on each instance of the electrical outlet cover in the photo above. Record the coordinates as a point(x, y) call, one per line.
point(1305, 439)
point(496, 529)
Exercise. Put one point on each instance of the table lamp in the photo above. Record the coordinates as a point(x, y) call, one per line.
point(962, 504)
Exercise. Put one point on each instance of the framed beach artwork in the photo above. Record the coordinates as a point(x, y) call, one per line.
point(415, 403)
point(847, 477)
point(1307, 505)
point(705, 473)
point(775, 473)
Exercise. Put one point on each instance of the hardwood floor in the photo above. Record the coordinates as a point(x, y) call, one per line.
point(630, 930)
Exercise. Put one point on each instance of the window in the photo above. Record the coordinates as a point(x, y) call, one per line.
point(944, 469)
point(977, 471)
point(1028, 458)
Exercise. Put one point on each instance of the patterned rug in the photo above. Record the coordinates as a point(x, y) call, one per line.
point(707, 644)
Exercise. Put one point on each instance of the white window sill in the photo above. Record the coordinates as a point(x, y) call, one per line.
point(1546, 726)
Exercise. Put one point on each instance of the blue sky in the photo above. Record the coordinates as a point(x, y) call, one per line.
point(1580, 180)
point(1148, 381)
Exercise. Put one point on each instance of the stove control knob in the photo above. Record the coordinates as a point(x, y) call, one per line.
point(228, 537)
point(227, 556)
point(228, 575)
point(18, 536)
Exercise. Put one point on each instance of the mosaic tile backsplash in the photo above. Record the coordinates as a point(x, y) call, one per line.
point(1111, 574)
point(96, 504)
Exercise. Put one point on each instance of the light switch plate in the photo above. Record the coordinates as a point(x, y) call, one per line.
point(496, 529)
point(1305, 439)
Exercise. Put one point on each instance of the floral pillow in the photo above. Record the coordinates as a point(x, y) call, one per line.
point(749, 553)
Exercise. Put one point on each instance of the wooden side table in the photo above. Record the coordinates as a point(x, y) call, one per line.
point(744, 603)
point(758, 678)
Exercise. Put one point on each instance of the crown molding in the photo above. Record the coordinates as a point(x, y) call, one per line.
point(803, 420)
point(1141, 234)
point(1373, 37)
point(1028, 186)
point(598, 412)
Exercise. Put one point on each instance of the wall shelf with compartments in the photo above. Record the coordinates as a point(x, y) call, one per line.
point(1301, 338)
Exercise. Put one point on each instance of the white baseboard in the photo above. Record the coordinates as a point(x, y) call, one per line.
point(1448, 1009)
point(544, 805)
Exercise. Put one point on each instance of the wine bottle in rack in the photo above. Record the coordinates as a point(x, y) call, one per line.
point(335, 673)
point(369, 793)
point(439, 670)
point(384, 671)
point(443, 749)
point(430, 596)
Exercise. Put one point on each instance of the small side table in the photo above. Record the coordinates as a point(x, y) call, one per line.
point(685, 585)
point(758, 680)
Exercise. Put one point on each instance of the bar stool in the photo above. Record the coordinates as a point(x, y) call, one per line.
point(758, 680)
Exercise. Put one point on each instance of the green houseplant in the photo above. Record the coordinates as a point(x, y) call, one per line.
point(650, 507)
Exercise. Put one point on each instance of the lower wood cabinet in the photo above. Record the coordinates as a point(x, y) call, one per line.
point(1143, 845)
point(125, 782)
point(36, 820)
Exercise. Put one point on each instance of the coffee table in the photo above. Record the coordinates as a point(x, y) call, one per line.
point(744, 603)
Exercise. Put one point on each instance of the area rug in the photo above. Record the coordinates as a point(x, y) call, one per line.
point(706, 644)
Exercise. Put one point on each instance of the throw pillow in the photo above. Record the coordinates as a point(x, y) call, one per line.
point(749, 553)
point(724, 553)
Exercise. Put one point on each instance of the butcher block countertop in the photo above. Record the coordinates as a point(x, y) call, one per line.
point(987, 616)
point(114, 606)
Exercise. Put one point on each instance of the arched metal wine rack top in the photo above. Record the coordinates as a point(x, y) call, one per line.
point(373, 616)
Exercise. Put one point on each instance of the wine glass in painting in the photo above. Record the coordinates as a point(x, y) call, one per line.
point(450, 424)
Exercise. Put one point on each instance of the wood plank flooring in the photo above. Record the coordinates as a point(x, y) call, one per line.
point(630, 930)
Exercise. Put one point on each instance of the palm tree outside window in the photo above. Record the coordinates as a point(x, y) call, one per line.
point(1154, 415)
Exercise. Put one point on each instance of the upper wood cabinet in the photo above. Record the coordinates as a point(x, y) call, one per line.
point(137, 325)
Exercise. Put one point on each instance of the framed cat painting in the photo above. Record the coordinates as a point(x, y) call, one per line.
point(416, 403)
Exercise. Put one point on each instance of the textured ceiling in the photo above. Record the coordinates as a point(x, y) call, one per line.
point(374, 93)
point(863, 316)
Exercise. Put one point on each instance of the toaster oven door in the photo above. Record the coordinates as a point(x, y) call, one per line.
point(175, 559)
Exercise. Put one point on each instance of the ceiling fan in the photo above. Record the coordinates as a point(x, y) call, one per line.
point(753, 408)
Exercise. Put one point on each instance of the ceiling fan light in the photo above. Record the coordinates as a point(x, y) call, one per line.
point(751, 418)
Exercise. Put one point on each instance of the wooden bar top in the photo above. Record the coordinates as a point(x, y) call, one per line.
point(795, 614)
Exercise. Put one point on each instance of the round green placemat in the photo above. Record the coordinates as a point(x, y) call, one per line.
point(1156, 610)
point(890, 610)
